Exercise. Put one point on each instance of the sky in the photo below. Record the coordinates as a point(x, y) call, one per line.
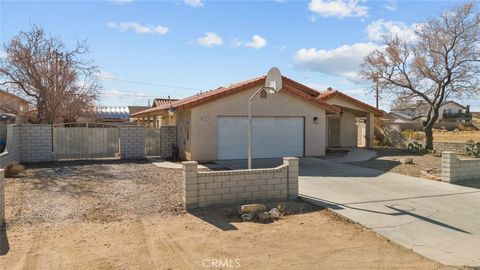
point(148, 49)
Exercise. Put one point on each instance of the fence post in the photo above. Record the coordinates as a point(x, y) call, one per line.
point(190, 184)
point(292, 179)
point(449, 167)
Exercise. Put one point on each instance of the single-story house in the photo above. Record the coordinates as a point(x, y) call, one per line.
point(296, 121)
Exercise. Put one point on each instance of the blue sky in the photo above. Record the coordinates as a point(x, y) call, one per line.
point(202, 45)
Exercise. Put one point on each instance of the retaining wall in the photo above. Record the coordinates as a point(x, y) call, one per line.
point(457, 170)
point(206, 188)
point(451, 147)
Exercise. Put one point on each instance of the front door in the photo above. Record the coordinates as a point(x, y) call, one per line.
point(333, 132)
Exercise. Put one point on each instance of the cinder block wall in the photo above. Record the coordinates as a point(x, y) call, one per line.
point(132, 142)
point(2, 198)
point(457, 170)
point(12, 149)
point(451, 147)
point(168, 138)
point(202, 189)
point(35, 143)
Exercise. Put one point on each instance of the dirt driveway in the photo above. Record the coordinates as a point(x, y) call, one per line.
point(116, 215)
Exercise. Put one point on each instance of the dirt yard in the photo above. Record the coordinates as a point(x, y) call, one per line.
point(447, 136)
point(118, 215)
point(388, 160)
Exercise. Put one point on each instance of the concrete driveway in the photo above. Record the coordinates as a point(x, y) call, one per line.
point(437, 220)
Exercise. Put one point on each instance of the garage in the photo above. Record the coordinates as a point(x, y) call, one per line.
point(272, 137)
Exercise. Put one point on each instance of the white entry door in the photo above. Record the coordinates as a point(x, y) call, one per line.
point(272, 137)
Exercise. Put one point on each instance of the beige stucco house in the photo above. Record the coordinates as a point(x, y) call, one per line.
point(296, 121)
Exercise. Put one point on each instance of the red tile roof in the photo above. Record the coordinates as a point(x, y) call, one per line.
point(289, 86)
point(162, 101)
point(325, 95)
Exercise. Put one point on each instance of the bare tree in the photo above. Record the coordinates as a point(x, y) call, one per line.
point(59, 81)
point(441, 61)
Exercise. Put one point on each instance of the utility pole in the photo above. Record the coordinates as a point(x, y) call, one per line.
point(377, 86)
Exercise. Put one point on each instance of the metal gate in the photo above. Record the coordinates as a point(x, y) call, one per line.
point(85, 141)
point(152, 142)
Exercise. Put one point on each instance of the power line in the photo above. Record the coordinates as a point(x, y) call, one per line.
point(147, 83)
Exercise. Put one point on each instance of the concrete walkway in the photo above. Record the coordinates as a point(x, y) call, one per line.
point(437, 220)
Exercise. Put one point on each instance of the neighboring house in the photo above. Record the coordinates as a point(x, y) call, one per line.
point(154, 119)
point(450, 111)
point(13, 108)
point(296, 121)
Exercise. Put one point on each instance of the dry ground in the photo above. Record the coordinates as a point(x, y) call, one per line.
point(388, 160)
point(118, 215)
point(449, 136)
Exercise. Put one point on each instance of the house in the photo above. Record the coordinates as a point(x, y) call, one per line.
point(450, 111)
point(296, 121)
point(13, 108)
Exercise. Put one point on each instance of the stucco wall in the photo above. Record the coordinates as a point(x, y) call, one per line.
point(184, 135)
point(348, 130)
point(204, 120)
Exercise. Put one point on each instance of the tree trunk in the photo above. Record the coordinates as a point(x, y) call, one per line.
point(428, 137)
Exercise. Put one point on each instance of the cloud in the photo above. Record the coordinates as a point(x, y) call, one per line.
point(377, 30)
point(343, 61)
point(210, 39)
point(338, 8)
point(194, 3)
point(138, 28)
point(3, 54)
point(121, 2)
point(257, 42)
point(105, 75)
point(391, 5)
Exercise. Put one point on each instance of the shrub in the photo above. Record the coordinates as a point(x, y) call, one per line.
point(415, 147)
point(413, 135)
point(13, 169)
point(474, 150)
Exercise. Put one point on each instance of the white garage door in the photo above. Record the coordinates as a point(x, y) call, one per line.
point(272, 137)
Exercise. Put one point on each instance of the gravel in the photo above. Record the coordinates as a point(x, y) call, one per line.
point(95, 191)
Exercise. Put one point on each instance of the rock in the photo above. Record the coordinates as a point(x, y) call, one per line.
point(437, 153)
point(253, 209)
point(264, 216)
point(406, 160)
point(246, 217)
point(274, 213)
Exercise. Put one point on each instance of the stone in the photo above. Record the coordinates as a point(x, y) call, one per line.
point(251, 209)
point(437, 153)
point(406, 160)
point(246, 217)
point(274, 213)
point(264, 216)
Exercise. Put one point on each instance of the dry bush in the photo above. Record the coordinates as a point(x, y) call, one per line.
point(465, 127)
point(413, 135)
point(13, 169)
